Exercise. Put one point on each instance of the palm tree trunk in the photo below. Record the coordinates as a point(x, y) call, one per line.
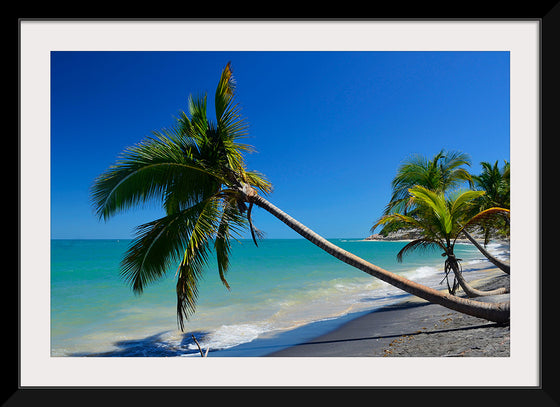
point(497, 312)
point(467, 288)
point(502, 266)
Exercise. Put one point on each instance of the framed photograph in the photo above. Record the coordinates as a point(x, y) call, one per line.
point(154, 152)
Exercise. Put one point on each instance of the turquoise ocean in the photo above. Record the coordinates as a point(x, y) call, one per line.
point(283, 292)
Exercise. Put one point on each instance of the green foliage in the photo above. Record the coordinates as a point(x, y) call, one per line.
point(196, 170)
point(496, 183)
point(425, 198)
point(442, 173)
point(437, 218)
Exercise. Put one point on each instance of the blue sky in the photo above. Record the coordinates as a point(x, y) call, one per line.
point(330, 128)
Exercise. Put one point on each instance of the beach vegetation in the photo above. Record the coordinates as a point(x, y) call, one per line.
point(440, 220)
point(197, 171)
point(445, 173)
point(495, 182)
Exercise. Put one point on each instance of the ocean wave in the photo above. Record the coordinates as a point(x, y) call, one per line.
point(499, 250)
point(476, 262)
point(228, 336)
point(425, 271)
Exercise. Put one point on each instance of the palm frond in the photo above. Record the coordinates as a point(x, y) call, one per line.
point(255, 232)
point(398, 219)
point(463, 199)
point(156, 246)
point(231, 222)
point(418, 244)
point(186, 288)
point(230, 124)
point(437, 203)
point(144, 173)
point(258, 180)
point(485, 216)
point(199, 120)
point(412, 172)
point(451, 170)
point(203, 229)
point(224, 91)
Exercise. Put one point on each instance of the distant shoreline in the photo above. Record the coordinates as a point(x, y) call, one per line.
point(410, 235)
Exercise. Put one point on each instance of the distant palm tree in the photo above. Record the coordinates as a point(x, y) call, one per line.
point(440, 221)
point(198, 172)
point(495, 182)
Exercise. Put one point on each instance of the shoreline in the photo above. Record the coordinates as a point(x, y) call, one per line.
point(257, 339)
point(408, 326)
point(414, 328)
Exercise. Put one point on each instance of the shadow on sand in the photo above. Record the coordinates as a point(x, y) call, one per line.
point(152, 346)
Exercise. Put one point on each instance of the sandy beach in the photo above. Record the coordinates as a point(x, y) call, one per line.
point(415, 328)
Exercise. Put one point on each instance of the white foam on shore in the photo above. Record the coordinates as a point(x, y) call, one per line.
point(228, 336)
point(424, 271)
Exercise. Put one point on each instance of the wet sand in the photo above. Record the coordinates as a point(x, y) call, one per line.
point(415, 328)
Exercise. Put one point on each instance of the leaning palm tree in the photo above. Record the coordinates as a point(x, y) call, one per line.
point(197, 171)
point(440, 221)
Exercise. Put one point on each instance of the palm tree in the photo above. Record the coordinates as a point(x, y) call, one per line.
point(443, 173)
point(495, 183)
point(197, 170)
point(440, 221)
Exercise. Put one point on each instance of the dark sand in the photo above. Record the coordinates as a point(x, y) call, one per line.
point(415, 328)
